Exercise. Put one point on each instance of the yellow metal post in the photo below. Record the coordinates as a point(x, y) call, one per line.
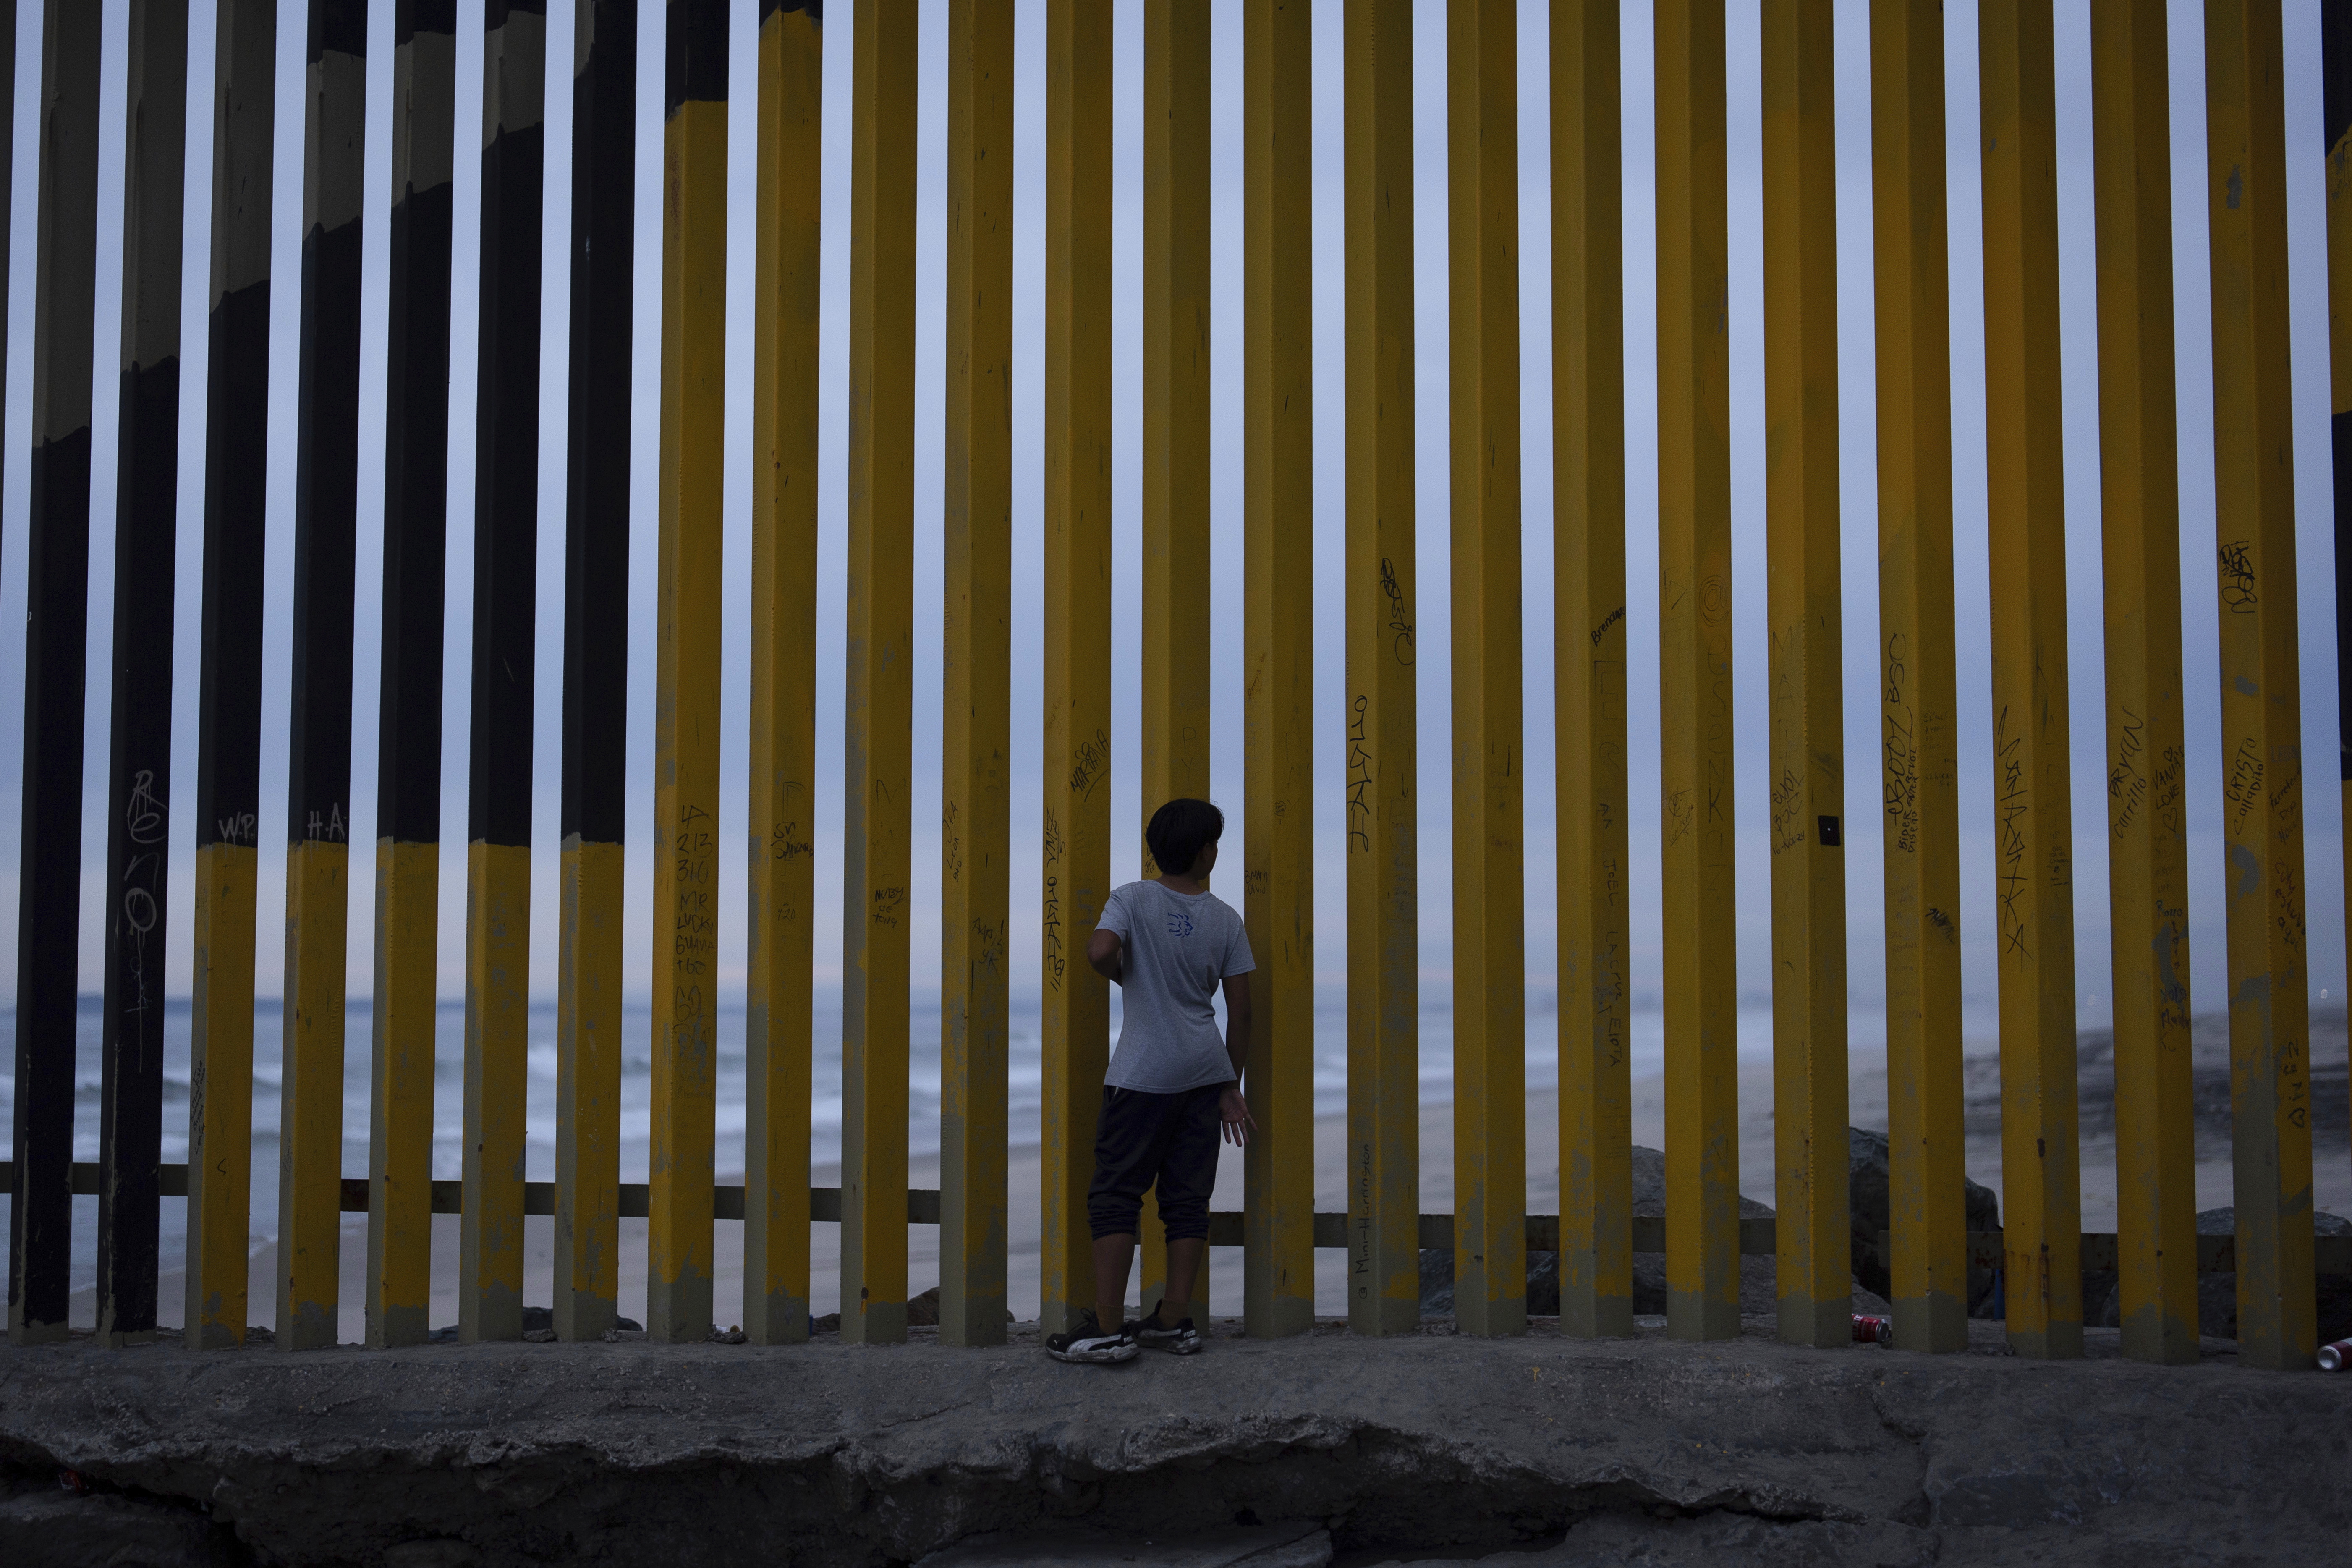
point(1694, 677)
point(1918, 731)
point(1490, 1025)
point(594, 823)
point(880, 707)
point(1176, 465)
point(1074, 1033)
point(229, 744)
point(2139, 490)
point(779, 919)
point(1588, 357)
point(977, 722)
point(1807, 689)
point(2033, 873)
point(2261, 692)
point(686, 676)
point(1383, 915)
point(1278, 633)
point(319, 773)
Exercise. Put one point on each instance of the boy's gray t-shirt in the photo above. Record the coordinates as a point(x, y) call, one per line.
point(1178, 946)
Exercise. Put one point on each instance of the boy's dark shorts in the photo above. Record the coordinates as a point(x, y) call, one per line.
point(1165, 1139)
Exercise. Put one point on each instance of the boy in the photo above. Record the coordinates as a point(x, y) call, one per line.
point(1171, 1083)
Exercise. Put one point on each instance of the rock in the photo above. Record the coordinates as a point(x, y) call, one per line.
point(1543, 1284)
point(1759, 1274)
point(1417, 1446)
point(1437, 1283)
point(2223, 1221)
point(1650, 1188)
point(60, 1529)
point(538, 1328)
point(1870, 1204)
point(1617, 1539)
point(442, 1553)
point(1301, 1543)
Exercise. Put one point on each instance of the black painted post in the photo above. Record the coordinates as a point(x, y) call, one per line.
point(595, 668)
point(56, 604)
point(228, 722)
point(318, 772)
point(139, 784)
point(408, 754)
point(7, 159)
point(2336, 107)
point(506, 588)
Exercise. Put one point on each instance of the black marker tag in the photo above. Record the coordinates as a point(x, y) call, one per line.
point(1830, 840)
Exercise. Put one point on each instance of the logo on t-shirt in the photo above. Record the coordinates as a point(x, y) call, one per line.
point(1179, 923)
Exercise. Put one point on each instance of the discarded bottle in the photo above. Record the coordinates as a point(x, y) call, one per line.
point(2336, 1357)
point(1869, 1329)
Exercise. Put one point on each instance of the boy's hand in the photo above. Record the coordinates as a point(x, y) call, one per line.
point(1233, 1111)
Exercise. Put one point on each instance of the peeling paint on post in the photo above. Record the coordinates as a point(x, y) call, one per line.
point(139, 770)
point(228, 723)
point(1695, 596)
point(1919, 727)
point(2147, 849)
point(1075, 1029)
point(398, 1289)
point(977, 723)
point(506, 595)
point(1278, 632)
point(319, 781)
point(595, 824)
point(2262, 691)
point(1596, 1106)
point(1806, 689)
point(2033, 877)
point(1490, 1011)
point(57, 608)
point(1176, 728)
point(876, 748)
point(1383, 1165)
point(780, 924)
point(686, 680)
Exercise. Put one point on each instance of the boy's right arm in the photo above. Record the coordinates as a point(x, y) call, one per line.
point(1105, 944)
point(1104, 953)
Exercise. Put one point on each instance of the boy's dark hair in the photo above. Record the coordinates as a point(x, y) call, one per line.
point(1180, 831)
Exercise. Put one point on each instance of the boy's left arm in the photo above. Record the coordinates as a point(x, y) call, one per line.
point(1232, 1110)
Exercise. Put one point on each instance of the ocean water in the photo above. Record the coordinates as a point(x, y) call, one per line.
point(1025, 1088)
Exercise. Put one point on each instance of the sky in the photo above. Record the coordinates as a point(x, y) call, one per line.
point(2325, 865)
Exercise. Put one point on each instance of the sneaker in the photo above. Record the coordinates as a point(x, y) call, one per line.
point(1183, 1339)
point(1089, 1341)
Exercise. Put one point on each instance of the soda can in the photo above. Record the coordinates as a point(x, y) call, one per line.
point(2336, 1357)
point(1869, 1329)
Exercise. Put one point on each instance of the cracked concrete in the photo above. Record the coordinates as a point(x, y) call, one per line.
point(1431, 1447)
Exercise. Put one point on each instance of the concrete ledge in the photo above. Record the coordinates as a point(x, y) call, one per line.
point(1427, 1446)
